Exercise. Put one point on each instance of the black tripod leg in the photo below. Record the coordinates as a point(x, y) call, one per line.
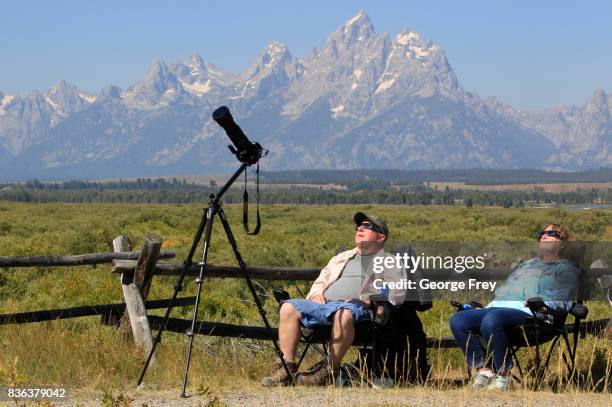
point(210, 216)
point(262, 311)
point(177, 288)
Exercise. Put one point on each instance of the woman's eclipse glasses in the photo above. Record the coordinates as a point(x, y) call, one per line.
point(552, 233)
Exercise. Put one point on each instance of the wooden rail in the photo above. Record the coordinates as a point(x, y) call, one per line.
point(302, 273)
point(264, 273)
point(260, 332)
point(84, 311)
point(78, 260)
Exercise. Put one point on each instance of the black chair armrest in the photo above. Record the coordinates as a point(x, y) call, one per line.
point(423, 306)
point(579, 311)
point(536, 304)
point(382, 309)
point(280, 295)
point(464, 307)
point(544, 314)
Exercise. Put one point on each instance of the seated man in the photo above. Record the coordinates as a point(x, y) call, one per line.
point(339, 297)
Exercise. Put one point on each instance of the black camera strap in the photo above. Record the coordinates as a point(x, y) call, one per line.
point(245, 206)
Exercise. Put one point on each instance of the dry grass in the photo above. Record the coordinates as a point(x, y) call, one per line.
point(81, 354)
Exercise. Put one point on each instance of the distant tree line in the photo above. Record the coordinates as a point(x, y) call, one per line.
point(358, 179)
point(175, 191)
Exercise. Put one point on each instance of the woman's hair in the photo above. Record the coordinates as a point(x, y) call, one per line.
point(563, 230)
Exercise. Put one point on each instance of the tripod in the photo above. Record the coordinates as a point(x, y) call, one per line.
point(205, 227)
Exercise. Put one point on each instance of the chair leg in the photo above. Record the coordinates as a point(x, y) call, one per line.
point(513, 354)
point(299, 363)
point(542, 370)
point(309, 343)
point(572, 354)
point(323, 352)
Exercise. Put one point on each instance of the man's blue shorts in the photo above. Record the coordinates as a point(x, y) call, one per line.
point(312, 313)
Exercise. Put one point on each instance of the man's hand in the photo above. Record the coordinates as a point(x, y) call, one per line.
point(319, 299)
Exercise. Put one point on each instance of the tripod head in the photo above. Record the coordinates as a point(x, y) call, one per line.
point(247, 152)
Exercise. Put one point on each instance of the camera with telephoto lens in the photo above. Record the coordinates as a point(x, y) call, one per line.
point(246, 151)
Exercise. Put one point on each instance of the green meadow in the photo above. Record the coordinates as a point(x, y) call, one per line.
point(82, 353)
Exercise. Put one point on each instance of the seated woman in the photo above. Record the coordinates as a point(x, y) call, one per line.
point(547, 276)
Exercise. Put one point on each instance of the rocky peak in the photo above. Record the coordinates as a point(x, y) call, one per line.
point(599, 102)
point(159, 87)
point(113, 92)
point(358, 28)
point(275, 56)
point(350, 48)
point(63, 99)
point(274, 68)
point(196, 63)
point(357, 32)
point(415, 45)
point(416, 66)
point(159, 77)
point(199, 77)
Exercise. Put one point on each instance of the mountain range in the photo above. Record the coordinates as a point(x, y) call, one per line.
point(363, 100)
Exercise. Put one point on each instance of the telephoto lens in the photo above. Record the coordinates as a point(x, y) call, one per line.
point(224, 118)
point(246, 151)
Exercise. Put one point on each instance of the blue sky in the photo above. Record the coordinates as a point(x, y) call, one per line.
point(531, 54)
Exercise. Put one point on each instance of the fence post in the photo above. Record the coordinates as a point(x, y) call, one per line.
point(134, 302)
point(145, 266)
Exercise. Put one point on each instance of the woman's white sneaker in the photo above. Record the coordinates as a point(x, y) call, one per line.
point(499, 383)
point(482, 380)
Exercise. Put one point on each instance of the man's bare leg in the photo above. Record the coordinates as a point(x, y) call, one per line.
point(289, 337)
point(289, 330)
point(343, 334)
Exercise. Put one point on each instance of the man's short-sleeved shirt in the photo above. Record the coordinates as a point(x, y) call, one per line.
point(348, 285)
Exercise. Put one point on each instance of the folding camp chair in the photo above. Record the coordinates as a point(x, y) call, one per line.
point(394, 346)
point(547, 326)
point(550, 325)
point(311, 337)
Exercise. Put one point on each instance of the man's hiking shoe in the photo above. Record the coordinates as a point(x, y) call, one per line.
point(320, 374)
point(499, 383)
point(279, 375)
point(482, 380)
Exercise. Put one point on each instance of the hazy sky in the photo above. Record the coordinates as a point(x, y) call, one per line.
point(531, 54)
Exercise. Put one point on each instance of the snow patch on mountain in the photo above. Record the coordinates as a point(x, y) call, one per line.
point(197, 88)
point(385, 85)
point(5, 101)
point(87, 97)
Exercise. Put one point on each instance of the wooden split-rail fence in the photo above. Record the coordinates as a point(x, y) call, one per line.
point(137, 269)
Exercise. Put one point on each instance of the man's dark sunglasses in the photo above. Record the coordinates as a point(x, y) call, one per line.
point(553, 233)
point(368, 225)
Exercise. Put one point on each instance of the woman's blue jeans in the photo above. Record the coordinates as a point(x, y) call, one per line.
point(492, 324)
